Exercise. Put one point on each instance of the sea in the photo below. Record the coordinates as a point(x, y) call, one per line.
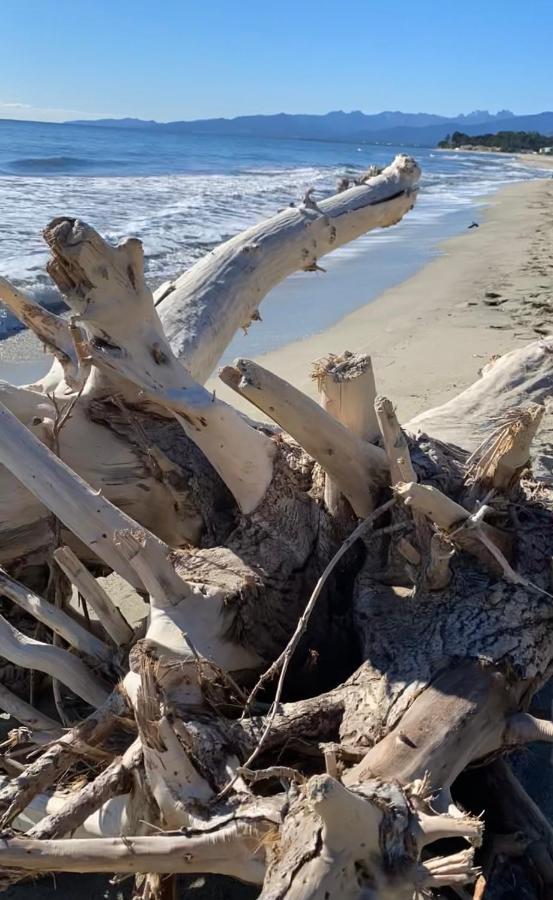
point(183, 194)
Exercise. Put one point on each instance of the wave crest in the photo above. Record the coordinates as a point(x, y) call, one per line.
point(48, 165)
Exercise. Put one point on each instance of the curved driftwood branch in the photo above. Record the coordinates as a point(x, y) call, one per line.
point(205, 307)
point(30, 654)
point(358, 468)
point(55, 619)
point(51, 329)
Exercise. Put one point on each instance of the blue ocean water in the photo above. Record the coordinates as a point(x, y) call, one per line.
point(183, 194)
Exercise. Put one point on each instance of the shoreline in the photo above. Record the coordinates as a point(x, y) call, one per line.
point(430, 335)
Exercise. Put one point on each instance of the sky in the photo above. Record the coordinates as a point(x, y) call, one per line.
point(177, 59)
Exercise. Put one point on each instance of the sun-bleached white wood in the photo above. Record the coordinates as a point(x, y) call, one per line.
point(355, 465)
point(203, 309)
point(24, 651)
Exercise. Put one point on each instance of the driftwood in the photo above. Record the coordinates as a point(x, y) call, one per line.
point(345, 616)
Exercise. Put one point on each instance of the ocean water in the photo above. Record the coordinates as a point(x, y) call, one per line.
point(183, 194)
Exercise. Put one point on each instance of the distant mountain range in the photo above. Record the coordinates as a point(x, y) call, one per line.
point(413, 129)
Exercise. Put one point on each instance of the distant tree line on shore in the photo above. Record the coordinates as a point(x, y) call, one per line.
point(506, 141)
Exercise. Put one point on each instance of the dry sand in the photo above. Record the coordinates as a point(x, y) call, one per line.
point(430, 335)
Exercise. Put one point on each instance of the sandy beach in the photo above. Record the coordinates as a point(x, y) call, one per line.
point(489, 290)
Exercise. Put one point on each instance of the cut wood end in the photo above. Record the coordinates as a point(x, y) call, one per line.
point(339, 368)
point(230, 376)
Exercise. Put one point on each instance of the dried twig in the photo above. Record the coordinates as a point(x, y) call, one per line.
point(283, 661)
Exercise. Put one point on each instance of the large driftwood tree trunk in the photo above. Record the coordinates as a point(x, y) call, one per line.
point(344, 616)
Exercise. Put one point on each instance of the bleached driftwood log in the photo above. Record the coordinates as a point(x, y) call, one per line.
point(357, 467)
point(393, 686)
point(520, 377)
point(134, 451)
point(201, 311)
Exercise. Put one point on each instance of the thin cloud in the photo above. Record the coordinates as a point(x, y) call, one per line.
point(56, 111)
point(15, 105)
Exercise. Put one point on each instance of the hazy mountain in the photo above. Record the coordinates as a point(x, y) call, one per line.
point(482, 115)
point(337, 124)
point(428, 136)
point(395, 127)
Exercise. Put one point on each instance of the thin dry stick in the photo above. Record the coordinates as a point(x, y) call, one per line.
point(284, 658)
point(283, 661)
point(474, 523)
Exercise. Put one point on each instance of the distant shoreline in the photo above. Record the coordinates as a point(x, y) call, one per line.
point(531, 158)
point(479, 149)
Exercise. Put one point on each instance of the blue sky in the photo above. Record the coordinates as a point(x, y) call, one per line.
point(181, 60)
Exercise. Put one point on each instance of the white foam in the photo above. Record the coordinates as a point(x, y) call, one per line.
point(181, 216)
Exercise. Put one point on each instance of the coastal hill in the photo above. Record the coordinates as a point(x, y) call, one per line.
point(414, 129)
point(503, 141)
